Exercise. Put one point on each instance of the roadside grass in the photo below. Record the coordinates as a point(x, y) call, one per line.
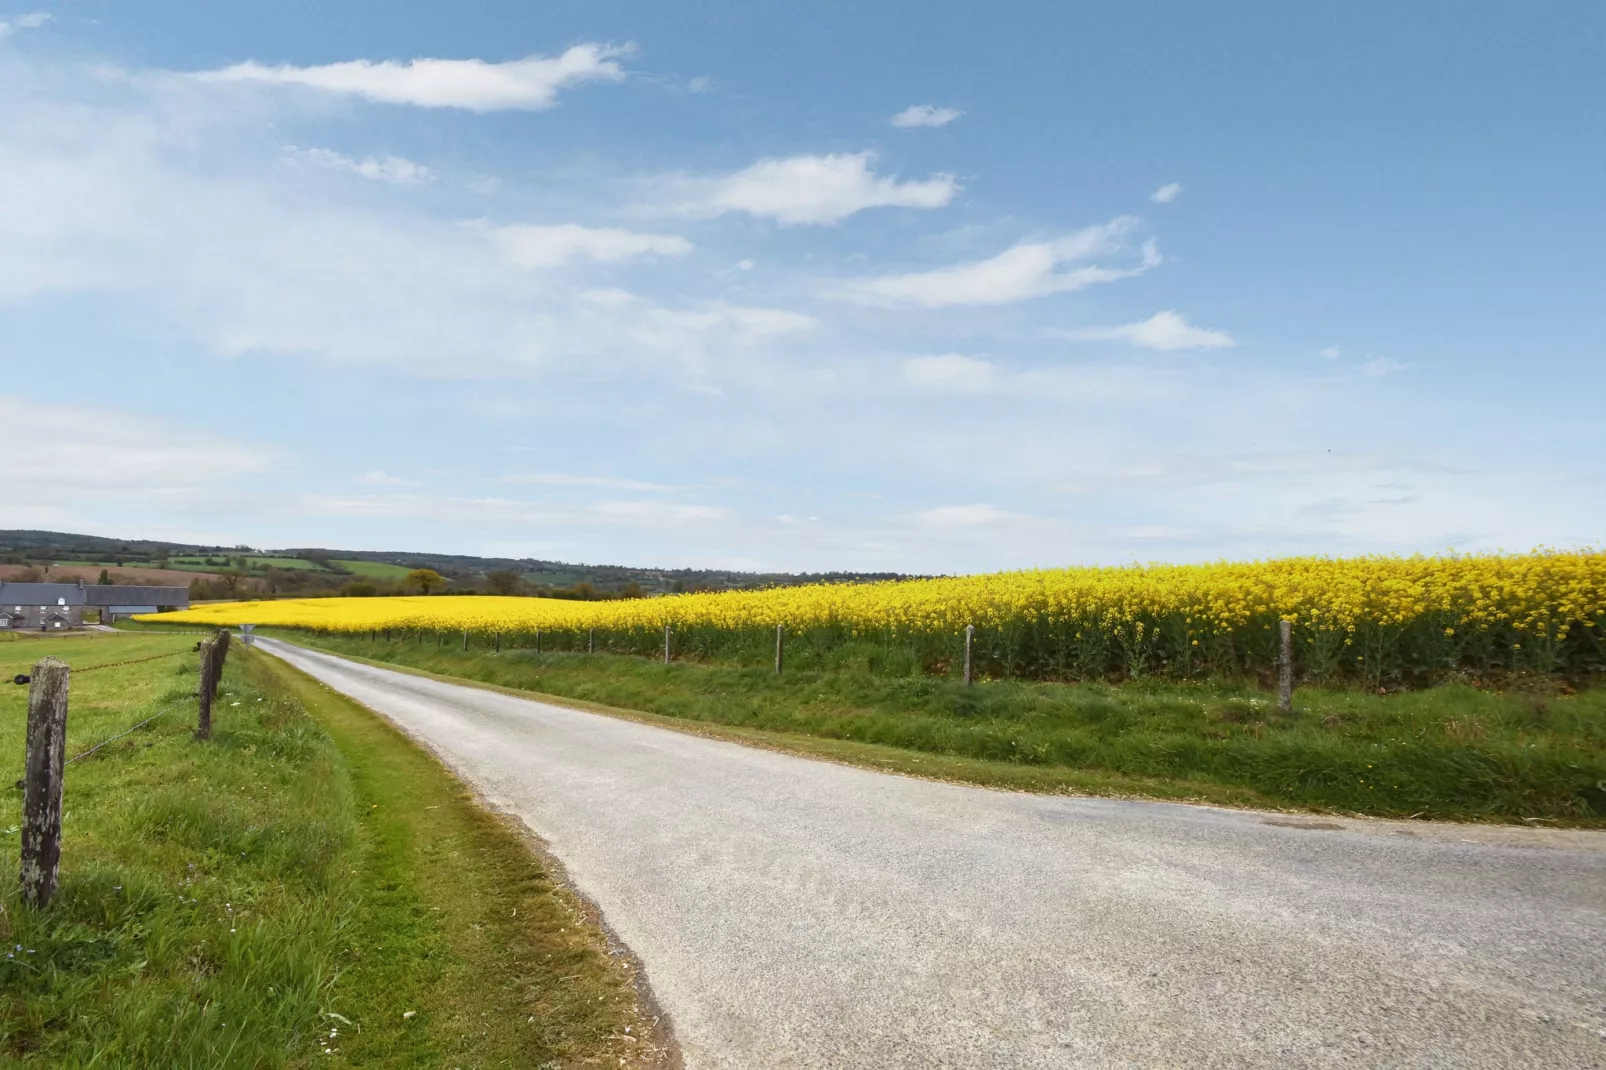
point(1448, 753)
point(281, 896)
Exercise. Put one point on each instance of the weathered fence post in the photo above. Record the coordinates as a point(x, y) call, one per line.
point(970, 642)
point(465, 638)
point(666, 644)
point(220, 654)
point(499, 641)
point(780, 638)
point(591, 640)
point(538, 640)
point(41, 791)
point(207, 688)
point(1285, 666)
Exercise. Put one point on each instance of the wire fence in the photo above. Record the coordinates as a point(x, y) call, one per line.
point(128, 731)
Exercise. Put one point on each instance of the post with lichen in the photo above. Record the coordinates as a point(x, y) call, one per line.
point(1285, 666)
point(591, 640)
point(780, 639)
point(220, 654)
point(666, 644)
point(970, 642)
point(41, 789)
point(207, 689)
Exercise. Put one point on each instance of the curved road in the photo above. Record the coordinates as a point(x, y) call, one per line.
point(795, 913)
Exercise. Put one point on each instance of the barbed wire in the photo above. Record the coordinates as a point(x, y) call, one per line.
point(131, 661)
point(126, 732)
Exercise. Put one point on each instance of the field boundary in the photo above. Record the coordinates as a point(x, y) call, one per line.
point(1028, 780)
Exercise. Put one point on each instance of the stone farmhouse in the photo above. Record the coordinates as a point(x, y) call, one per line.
point(46, 607)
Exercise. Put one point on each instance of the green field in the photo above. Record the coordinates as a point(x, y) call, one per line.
point(375, 570)
point(308, 888)
point(1452, 753)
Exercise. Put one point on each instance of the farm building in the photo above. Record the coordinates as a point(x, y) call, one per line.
point(55, 606)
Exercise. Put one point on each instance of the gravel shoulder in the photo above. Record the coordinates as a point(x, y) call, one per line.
point(796, 913)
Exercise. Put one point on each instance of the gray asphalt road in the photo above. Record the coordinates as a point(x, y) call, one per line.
point(793, 913)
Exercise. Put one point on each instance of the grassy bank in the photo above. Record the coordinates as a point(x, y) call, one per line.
point(1451, 753)
point(308, 888)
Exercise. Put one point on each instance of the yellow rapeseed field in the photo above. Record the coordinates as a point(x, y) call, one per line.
point(1367, 616)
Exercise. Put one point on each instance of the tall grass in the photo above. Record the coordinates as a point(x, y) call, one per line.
point(1450, 752)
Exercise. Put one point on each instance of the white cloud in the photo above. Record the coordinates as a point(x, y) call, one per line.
point(804, 190)
point(1163, 331)
point(529, 245)
point(394, 169)
point(1025, 271)
point(380, 478)
point(478, 511)
point(100, 194)
point(31, 21)
point(529, 84)
point(925, 115)
point(951, 373)
point(1332, 352)
point(72, 458)
point(1166, 193)
point(555, 479)
point(965, 516)
point(1377, 367)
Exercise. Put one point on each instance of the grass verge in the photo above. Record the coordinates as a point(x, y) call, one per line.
point(1449, 753)
point(308, 888)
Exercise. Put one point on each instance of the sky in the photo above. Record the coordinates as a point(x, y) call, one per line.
point(921, 288)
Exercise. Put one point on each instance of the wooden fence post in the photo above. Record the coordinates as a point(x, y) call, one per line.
point(465, 638)
point(220, 654)
point(41, 791)
point(538, 640)
point(499, 641)
point(780, 637)
point(207, 688)
point(970, 641)
point(666, 644)
point(591, 640)
point(1285, 666)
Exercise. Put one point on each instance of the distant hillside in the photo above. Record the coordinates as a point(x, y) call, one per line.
point(313, 570)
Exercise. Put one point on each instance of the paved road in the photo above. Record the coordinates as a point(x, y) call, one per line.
point(793, 913)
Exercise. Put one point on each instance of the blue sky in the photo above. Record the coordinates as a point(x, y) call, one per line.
point(925, 288)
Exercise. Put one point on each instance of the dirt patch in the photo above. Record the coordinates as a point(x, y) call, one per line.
point(127, 574)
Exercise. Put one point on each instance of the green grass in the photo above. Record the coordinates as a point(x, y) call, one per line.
point(374, 570)
point(1452, 753)
point(283, 895)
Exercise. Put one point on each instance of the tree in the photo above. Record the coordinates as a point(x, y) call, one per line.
point(504, 581)
point(424, 580)
point(105, 579)
point(360, 589)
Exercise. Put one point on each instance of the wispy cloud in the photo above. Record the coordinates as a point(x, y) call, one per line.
point(393, 169)
point(1028, 270)
point(380, 478)
point(951, 373)
point(556, 479)
point(1377, 367)
point(31, 21)
point(529, 84)
point(799, 190)
point(925, 115)
point(1163, 331)
point(1166, 193)
point(965, 516)
point(530, 245)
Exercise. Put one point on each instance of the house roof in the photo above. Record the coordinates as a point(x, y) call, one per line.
point(40, 594)
point(127, 594)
